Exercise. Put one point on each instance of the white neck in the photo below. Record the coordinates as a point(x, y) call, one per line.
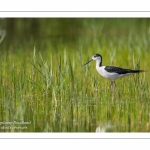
point(99, 62)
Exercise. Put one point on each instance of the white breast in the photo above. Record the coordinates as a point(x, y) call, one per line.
point(103, 72)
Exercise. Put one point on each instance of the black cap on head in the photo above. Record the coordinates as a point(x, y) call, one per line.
point(97, 55)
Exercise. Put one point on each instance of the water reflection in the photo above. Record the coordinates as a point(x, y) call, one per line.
point(53, 30)
point(2, 35)
point(104, 127)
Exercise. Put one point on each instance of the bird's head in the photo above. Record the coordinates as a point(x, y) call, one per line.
point(94, 57)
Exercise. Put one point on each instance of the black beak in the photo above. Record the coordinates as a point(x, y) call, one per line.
point(88, 62)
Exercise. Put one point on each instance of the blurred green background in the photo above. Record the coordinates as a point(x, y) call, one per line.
point(42, 32)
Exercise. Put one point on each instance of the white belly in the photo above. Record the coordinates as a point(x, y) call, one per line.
point(109, 75)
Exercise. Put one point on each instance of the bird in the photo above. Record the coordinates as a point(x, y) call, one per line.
point(111, 72)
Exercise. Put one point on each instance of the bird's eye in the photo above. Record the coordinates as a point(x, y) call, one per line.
point(94, 55)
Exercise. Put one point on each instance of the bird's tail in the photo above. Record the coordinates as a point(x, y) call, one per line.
point(138, 71)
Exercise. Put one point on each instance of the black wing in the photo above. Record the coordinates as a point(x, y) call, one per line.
point(118, 70)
